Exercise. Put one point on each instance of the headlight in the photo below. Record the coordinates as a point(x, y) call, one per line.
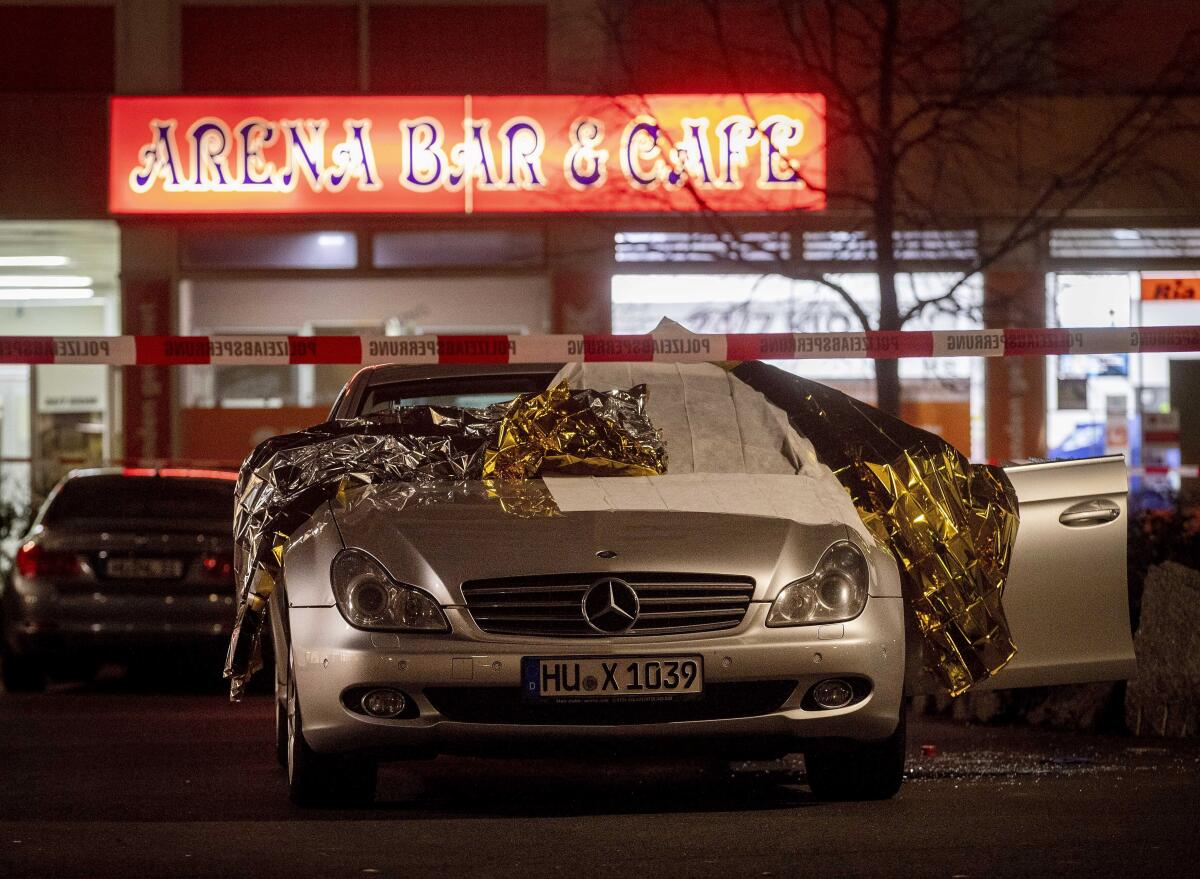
point(836, 591)
point(370, 599)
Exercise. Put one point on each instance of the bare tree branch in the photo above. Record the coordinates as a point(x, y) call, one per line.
point(926, 96)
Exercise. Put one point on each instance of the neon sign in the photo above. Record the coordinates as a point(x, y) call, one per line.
point(527, 154)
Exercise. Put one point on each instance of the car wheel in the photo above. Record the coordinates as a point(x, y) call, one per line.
point(322, 779)
point(21, 674)
point(859, 771)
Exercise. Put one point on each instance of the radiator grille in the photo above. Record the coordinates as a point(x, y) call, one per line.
point(552, 605)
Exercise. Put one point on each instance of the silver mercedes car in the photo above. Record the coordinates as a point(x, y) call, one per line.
point(406, 630)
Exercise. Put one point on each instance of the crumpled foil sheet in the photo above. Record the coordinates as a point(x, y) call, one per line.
point(286, 478)
point(580, 432)
point(950, 524)
point(441, 453)
point(525, 500)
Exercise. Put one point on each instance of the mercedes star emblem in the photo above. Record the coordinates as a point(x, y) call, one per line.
point(610, 606)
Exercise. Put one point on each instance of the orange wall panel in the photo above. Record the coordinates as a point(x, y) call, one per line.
point(227, 436)
point(951, 420)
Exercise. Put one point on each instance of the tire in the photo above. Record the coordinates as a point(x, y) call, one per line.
point(859, 771)
point(21, 674)
point(322, 780)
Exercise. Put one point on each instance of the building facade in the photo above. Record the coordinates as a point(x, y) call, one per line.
point(70, 264)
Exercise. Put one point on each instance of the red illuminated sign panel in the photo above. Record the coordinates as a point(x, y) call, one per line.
point(547, 153)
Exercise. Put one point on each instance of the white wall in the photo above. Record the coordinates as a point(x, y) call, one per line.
point(54, 320)
point(775, 304)
point(507, 304)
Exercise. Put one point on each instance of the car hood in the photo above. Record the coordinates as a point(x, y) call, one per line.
point(440, 546)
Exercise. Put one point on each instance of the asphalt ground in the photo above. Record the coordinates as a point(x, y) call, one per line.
point(120, 778)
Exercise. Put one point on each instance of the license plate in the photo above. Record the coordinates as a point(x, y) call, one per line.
point(156, 569)
point(611, 677)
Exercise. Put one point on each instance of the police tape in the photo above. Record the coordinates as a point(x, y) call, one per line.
point(216, 469)
point(1185, 471)
point(669, 347)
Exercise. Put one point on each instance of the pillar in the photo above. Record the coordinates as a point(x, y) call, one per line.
point(580, 251)
point(580, 256)
point(1015, 407)
point(147, 293)
point(147, 63)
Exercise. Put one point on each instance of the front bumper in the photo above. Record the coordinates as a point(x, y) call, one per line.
point(330, 657)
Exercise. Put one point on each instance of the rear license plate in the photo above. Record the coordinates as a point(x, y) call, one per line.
point(611, 677)
point(148, 569)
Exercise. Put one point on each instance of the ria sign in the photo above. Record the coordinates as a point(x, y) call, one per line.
point(473, 154)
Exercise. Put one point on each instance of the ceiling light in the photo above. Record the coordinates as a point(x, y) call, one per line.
point(331, 239)
point(27, 293)
point(34, 261)
point(45, 281)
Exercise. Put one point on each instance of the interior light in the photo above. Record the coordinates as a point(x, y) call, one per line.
point(1126, 234)
point(45, 281)
point(34, 261)
point(27, 293)
point(331, 239)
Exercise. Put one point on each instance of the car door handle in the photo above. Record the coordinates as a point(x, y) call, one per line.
point(1090, 512)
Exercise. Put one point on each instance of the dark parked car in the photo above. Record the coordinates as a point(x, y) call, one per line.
point(117, 562)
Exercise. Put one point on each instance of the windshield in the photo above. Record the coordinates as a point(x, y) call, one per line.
point(474, 391)
point(114, 497)
point(473, 401)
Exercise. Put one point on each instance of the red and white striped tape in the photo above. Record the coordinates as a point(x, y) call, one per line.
point(1186, 471)
point(206, 466)
point(665, 347)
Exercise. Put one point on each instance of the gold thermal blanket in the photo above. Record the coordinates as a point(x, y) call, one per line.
point(950, 524)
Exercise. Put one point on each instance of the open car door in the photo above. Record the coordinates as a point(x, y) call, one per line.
point(1067, 599)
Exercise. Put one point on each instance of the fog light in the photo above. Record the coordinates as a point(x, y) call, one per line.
point(384, 703)
point(833, 693)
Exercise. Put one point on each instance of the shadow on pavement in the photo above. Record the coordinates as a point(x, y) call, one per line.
point(453, 786)
point(164, 745)
point(166, 673)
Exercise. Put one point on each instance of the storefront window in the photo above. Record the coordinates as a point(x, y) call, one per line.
point(330, 249)
point(654, 247)
point(1098, 403)
point(496, 247)
point(909, 244)
point(56, 279)
point(942, 394)
point(1090, 395)
point(1127, 243)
